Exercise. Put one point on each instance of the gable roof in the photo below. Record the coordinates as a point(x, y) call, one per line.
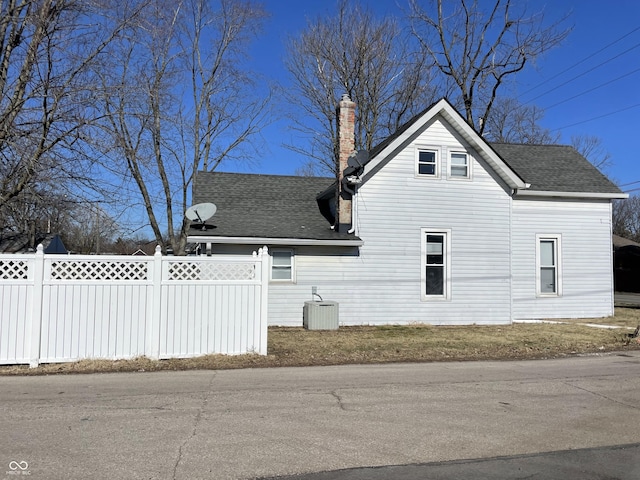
point(405, 134)
point(541, 170)
point(255, 209)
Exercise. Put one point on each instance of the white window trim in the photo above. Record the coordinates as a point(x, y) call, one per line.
point(469, 163)
point(438, 156)
point(446, 296)
point(293, 266)
point(557, 239)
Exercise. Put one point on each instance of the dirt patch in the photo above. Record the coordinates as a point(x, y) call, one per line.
point(393, 343)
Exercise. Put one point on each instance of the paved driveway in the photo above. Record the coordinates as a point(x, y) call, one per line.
point(624, 299)
point(266, 422)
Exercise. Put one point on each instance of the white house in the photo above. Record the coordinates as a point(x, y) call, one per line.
point(435, 226)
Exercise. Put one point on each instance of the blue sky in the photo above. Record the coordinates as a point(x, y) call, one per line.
point(596, 24)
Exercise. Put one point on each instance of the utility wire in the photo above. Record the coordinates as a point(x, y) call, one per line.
point(592, 89)
point(597, 118)
point(630, 183)
point(588, 57)
point(584, 73)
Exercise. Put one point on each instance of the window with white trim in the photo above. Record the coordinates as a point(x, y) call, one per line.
point(459, 165)
point(549, 273)
point(282, 266)
point(436, 264)
point(427, 162)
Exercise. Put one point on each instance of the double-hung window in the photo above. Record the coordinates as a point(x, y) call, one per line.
point(282, 266)
point(549, 271)
point(427, 162)
point(436, 264)
point(459, 165)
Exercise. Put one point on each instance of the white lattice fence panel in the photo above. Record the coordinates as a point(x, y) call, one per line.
point(14, 269)
point(126, 270)
point(210, 270)
point(63, 308)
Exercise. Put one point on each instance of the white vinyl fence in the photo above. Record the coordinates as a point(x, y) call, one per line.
point(61, 308)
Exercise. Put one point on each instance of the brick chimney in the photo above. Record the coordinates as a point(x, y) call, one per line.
point(346, 144)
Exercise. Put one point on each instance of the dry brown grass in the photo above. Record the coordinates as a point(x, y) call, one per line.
point(414, 343)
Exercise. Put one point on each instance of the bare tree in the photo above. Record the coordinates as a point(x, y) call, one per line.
point(626, 218)
point(354, 53)
point(512, 122)
point(478, 49)
point(47, 49)
point(590, 147)
point(177, 100)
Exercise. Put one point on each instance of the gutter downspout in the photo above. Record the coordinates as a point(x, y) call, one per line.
point(354, 206)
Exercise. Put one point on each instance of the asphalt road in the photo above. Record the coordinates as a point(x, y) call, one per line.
point(267, 422)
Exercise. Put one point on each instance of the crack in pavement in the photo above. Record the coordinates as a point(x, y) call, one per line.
point(196, 421)
point(635, 407)
point(339, 399)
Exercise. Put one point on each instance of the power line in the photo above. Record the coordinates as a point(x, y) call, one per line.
point(588, 57)
point(630, 183)
point(584, 73)
point(597, 118)
point(592, 89)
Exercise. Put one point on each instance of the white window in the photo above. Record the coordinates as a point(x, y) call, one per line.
point(436, 264)
point(282, 266)
point(427, 162)
point(459, 165)
point(549, 271)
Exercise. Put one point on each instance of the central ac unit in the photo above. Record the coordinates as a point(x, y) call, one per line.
point(320, 316)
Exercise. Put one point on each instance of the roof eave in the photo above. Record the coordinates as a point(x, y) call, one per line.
point(356, 242)
point(558, 194)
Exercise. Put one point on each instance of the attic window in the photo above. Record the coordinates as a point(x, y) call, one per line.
point(427, 162)
point(459, 165)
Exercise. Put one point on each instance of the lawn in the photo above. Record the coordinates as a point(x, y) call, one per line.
point(294, 347)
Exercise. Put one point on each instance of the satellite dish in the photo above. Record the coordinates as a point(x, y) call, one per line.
point(200, 213)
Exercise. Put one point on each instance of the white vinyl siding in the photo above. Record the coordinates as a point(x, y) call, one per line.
point(584, 251)
point(380, 283)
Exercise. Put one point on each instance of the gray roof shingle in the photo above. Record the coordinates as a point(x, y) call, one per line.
point(554, 168)
point(264, 206)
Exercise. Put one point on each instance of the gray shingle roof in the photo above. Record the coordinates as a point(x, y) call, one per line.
point(264, 206)
point(554, 168)
point(274, 206)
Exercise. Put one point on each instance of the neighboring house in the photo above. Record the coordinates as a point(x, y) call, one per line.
point(23, 243)
point(436, 226)
point(626, 263)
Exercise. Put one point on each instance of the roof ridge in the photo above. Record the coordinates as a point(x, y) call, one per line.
point(516, 144)
point(275, 175)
